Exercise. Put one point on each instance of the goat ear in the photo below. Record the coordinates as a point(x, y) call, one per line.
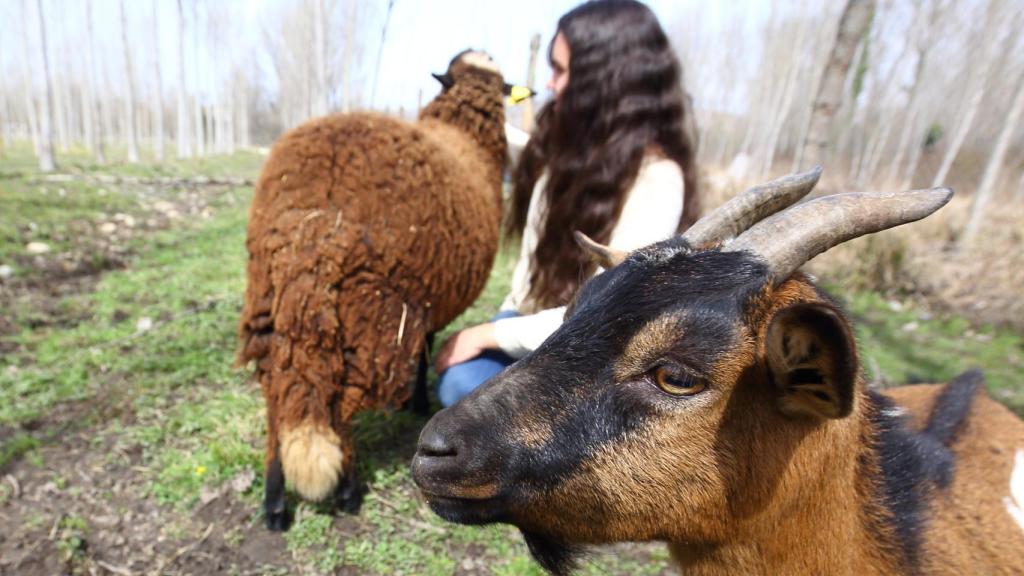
point(445, 79)
point(812, 358)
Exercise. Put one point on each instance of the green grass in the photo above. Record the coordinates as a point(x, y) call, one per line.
point(200, 422)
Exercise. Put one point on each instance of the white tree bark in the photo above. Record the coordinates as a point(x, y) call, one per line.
point(200, 131)
point(995, 163)
point(158, 91)
point(978, 79)
point(380, 53)
point(853, 24)
point(348, 57)
point(320, 52)
point(182, 135)
point(132, 129)
point(46, 159)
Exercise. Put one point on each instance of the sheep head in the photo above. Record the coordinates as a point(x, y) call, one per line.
point(639, 418)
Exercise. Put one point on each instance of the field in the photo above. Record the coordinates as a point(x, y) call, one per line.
point(129, 444)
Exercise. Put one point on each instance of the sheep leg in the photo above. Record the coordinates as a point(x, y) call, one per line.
point(348, 496)
point(420, 399)
point(275, 508)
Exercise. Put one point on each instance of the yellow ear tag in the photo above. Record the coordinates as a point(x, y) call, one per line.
point(519, 93)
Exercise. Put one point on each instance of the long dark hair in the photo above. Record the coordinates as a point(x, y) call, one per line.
point(624, 99)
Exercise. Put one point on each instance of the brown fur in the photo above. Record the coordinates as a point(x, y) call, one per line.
point(366, 233)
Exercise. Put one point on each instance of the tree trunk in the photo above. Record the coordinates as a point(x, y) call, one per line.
point(786, 102)
point(380, 53)
point(132, 131)
point(200, 132)
point(348, 57)
point(158, 115)
point(978, 78)
point(46, 160)
point(182, 135)
point(995, 163)
point(96, 105)
point(320, 54)
point(531, 77)
point(853, 24)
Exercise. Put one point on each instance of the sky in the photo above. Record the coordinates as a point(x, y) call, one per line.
point(422, 36)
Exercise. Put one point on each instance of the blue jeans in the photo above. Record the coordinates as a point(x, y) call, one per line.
point(461, 379)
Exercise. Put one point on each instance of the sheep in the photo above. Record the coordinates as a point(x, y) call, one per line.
point(705, 393)
point(366, 234)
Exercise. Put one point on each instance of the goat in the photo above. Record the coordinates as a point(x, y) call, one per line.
point(705, 393)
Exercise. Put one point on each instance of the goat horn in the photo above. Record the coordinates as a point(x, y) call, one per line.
point(789, 239)
point(600, 254)
point(746, 209)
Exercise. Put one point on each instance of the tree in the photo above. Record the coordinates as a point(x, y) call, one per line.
point(995, 162)
point(853, 25)
point(133, 143)
point(46, 160)
point(158, 114)
point(182, 135)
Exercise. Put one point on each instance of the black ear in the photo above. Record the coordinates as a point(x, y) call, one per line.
point(812, 357)
point(445, 79)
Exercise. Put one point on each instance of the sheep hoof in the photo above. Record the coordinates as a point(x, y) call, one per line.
point(348, 496)
point(275, 507)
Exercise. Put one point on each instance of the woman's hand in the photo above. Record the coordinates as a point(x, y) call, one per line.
point(465, 345)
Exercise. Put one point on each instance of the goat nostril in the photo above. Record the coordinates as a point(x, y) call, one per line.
point(435, 444)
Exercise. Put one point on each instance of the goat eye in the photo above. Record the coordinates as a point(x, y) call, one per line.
point(676, 383)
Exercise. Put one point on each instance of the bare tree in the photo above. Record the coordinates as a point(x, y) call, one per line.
point(853, 25)
point(320, 51)
point(133, 143)
point(182, 136)
point(158, 114)
point(380, 53)
point(531, 76)
point(348, 57)
point(94, 114)
point(995, 162)
point(46, 159)
point(200, 132)
point(978, 73)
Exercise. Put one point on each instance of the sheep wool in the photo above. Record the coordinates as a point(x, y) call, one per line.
point(366, 233)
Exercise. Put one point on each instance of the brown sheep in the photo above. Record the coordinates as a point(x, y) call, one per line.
point(705, 393)
point(366, 234)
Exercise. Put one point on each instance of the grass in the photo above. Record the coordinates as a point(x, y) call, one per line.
point(200, 423)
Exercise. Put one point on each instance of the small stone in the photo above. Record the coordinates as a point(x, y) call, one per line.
point(37, 247)
point(108, 228)
point(144, 324)
point(910, 326)
point(6, 271)
point(208, 494)
point(243, 481)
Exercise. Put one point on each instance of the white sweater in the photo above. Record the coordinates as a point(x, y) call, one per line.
point(651, 213)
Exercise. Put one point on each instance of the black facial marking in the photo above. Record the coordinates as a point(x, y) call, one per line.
point(577, 395)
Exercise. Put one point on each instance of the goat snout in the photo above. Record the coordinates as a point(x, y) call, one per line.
point(449, 463)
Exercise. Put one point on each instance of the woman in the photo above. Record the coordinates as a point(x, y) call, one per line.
point(610, 157)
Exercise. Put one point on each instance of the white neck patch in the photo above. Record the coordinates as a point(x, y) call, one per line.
point(480, 60)
point(1015, 501)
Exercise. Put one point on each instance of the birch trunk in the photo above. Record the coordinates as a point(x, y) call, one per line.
point(853, 24)
point(158, 115)
point(132, 131)
point(995, 162)
point(182, 135)
point(46, 159)
point(200, 132)
point(348, 57)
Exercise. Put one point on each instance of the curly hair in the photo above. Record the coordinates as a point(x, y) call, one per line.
point(624, 100)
